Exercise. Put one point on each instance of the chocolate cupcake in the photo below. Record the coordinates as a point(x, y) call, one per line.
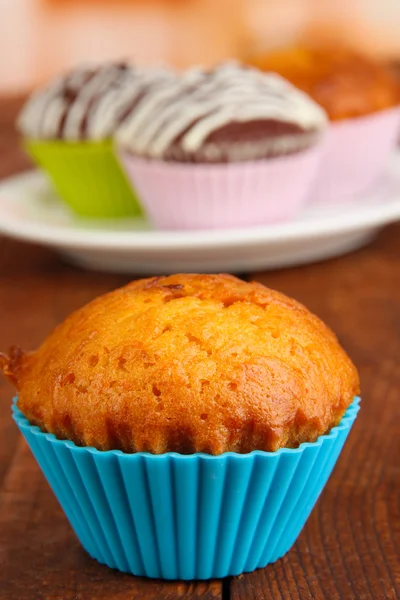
point(212, 148)
point(68, 128)
point(184, 413)
point(230, 114)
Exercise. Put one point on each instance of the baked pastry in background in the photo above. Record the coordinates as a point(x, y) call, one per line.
point(361, 98)
point(187, 363)
point(345, 83)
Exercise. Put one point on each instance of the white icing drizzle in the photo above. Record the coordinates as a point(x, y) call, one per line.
point(86, 103)
point(199, 103)
point(101, 84)
point(30, 120)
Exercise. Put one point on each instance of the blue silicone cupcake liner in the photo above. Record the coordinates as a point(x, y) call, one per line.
point(197, 516)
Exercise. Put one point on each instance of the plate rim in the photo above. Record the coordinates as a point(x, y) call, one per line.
point(361, 218)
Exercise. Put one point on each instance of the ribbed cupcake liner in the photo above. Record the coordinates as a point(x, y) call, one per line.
point(87, 176)
point(197, 516)
point(355, 156)
point(201, 196)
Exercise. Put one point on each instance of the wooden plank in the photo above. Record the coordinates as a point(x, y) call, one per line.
point(350, 547)
point(40, 556)
point(13, 158)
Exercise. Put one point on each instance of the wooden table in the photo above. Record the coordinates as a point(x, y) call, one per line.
point(350, 547)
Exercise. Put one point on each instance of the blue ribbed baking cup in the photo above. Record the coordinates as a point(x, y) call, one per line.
point(197, 516)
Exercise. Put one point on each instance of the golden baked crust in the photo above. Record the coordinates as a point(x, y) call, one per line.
point(187, 363)
point(344, 83)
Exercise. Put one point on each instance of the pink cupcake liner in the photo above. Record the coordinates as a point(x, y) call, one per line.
point(199, 196)
point(355, 154)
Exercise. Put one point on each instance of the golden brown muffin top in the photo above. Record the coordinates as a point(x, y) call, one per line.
point(346, 84)
point(187, 363)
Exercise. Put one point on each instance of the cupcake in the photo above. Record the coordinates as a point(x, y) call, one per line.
point(361, 98)
point(68, 128)
point(228, 147)
point(187, 424)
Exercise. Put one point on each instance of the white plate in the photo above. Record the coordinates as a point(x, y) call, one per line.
point(29, 211)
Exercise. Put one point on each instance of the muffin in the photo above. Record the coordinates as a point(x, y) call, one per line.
point(110, 376)
point(222, 148)
point(345, 83)
point(184, 413)
point(68, 128)
point(361, 98)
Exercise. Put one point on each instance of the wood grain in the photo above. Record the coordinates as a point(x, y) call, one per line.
point(350, 547)
point(40, 556)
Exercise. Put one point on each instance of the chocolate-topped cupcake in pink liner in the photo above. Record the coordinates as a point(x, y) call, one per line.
point(228, 147)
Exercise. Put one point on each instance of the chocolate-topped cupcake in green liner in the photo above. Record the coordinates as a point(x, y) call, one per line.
point(68, 128)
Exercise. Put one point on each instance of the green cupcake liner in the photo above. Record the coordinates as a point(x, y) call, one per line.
point(87, 176)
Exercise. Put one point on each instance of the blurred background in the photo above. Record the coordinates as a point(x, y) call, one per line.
point(38, 38)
